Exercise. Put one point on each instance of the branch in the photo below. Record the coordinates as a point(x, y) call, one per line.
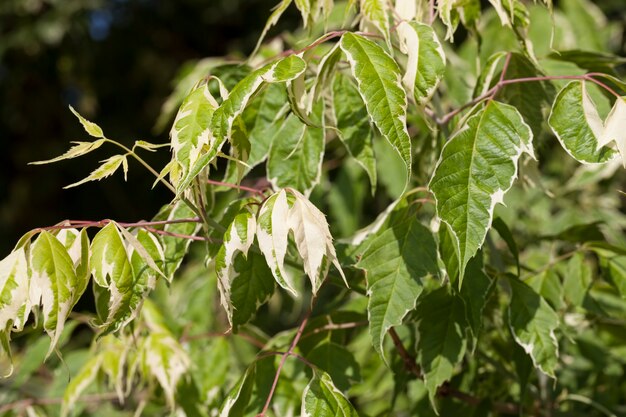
point(445, 390)
point(502, 82)
point(237, 187)
point(70, 224)
point(20, 404)
point(283, 359)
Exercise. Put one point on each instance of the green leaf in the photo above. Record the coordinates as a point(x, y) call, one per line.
point(223, 117)
point(442, 340)
point(322, 399)
point(426, 60)
point(577, 125)
point(395, 261)
point(252, 286)
point(263, 120)
point(296, 154)
point(237, 239)
point(614, 268)
point(54, 281)
point(477, 167)
point(577, 279)
point(531, 99)
point(591, 61)
point(81, 148)
point(533, 322)
point(108, 168)
point(90, 127)
point(191, 128)
point(338, 362)
point(378, 79)
point(353, 126)
point(475, 293)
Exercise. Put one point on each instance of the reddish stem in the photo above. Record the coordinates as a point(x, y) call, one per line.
point(283, 359)
point(237, 187)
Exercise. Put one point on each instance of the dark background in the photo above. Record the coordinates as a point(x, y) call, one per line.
point(114, 61)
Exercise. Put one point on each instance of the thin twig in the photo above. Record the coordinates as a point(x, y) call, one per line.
point(70, 224)
point(492, 91)
point(295, 355)
point(335, 326)
point(445, 390)
point(289, 352)
point(20, 404)
point(237, 187)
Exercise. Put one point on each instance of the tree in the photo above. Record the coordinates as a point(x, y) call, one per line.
point(418, 294)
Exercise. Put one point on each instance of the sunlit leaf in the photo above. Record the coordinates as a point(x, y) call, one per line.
point(477, 167)
point(378, 79)
point(108, 168)
point(322, 399)
point(90, 127)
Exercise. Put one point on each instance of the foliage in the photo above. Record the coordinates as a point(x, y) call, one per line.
point(419, 294)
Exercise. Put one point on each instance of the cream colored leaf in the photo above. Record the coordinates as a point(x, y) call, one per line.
point(615, 128)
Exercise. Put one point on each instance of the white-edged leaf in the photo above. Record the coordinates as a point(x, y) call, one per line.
point(449, 16)
point(141, 250)
point(476, 168)
point(313, 240)
point(321, 398)
point(272, 234)
point(175, 248)
point(237, 239)
point(121, 275)
point(190, 131)
point(291, 211)
point(14, 295)
point(90, 127)
point(533, 322)
point(376, 13)
point(54, 275)
point(108, 168)
point(577, 125)
point(79, 383)
point(426, 60)
point(81, 148)
point(396, 260)
point(615, 128)
point(166, 360)
point(442, 332)
point(223, 117)
point(379, 82)
point(237, 399)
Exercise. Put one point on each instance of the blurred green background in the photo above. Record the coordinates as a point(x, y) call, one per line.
point(114, 61)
